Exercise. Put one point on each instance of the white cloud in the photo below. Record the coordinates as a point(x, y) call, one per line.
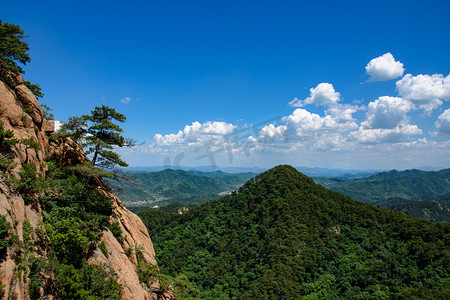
point(387, 112)
point(57, 125)
point(323, 94)
point(384, 68)
point(305, 123)
point(194, 134)
point(383, 135)
point(126, 100)
point(424, 90)
point(272, 132)
point(443, 124)
point(342, 113)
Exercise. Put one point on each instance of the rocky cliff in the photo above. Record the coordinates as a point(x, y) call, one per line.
point(20, 112)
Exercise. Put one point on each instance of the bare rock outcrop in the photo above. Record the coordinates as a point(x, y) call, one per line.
point(21, 113)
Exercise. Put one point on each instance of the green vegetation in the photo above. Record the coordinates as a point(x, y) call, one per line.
point(4, 235)
point(99, 133)
point(431, 210)
point(6, 143)
point(74, 215)
point(87, 282)
point(14, 53)
point(281, 236)
point(382, 188)
point(149, 273)
point(180, 186)
point(13, 50)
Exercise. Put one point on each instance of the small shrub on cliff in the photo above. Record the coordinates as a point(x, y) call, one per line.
point(35, 89)
point(6, 143)
point(30, 182)
point(4, 235)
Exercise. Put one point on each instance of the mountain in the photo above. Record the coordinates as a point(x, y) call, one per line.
point(189, 187)
point(206, 169)
point(327, 172)
point(63, 233)
point(431, 210)
point(281, 236)
point(399, 186)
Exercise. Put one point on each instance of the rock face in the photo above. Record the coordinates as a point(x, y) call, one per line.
point(21, 113)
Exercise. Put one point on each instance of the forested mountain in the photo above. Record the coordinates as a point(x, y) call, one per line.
point(181, 186)
point(281, 236)
point(431, 210)
point(394, 187)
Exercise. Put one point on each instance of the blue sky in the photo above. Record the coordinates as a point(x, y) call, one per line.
point(222, 76)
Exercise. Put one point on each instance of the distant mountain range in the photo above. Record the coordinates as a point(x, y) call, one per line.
point(393, 187)
point(188, 187)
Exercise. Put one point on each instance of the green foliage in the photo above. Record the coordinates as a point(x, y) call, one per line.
point(394, 187)
point(102, 247)
point(70, 238)
point(115, 229)
point(90, 282)
point(35, 89)
point(31, 143)
point(281, 236)
point(6, 143)
point(4, 235)
point(431, 210)
point(26, 233)
point(30, 182)
point(99, 134)
point(47, 111)
point(13, 50)
point(89, 171)
point(28, 110)
point(74, 215)
point(149, 273)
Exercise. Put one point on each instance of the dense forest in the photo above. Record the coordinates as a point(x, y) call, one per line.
point(393, 187)
point(431, 210)
point(281, 236)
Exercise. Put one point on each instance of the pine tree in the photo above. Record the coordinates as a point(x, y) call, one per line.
point(99, 134)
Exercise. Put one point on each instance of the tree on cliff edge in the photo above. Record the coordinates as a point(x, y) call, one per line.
point(13, 50)
point(99, 134)
point(14, 53)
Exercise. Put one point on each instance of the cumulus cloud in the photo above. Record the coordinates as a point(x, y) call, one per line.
point(305, 123)
point(424, 90)
point(387, 112)
point(272, 132)
point(323, 94)
point(384, 68)
point(342, 113)
point(385, 135)
point(196, 133)
point(443, 124)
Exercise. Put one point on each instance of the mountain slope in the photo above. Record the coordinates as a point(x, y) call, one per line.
point(410, 185)
point(281, 236)
point(431, 210)
point(60, 238)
